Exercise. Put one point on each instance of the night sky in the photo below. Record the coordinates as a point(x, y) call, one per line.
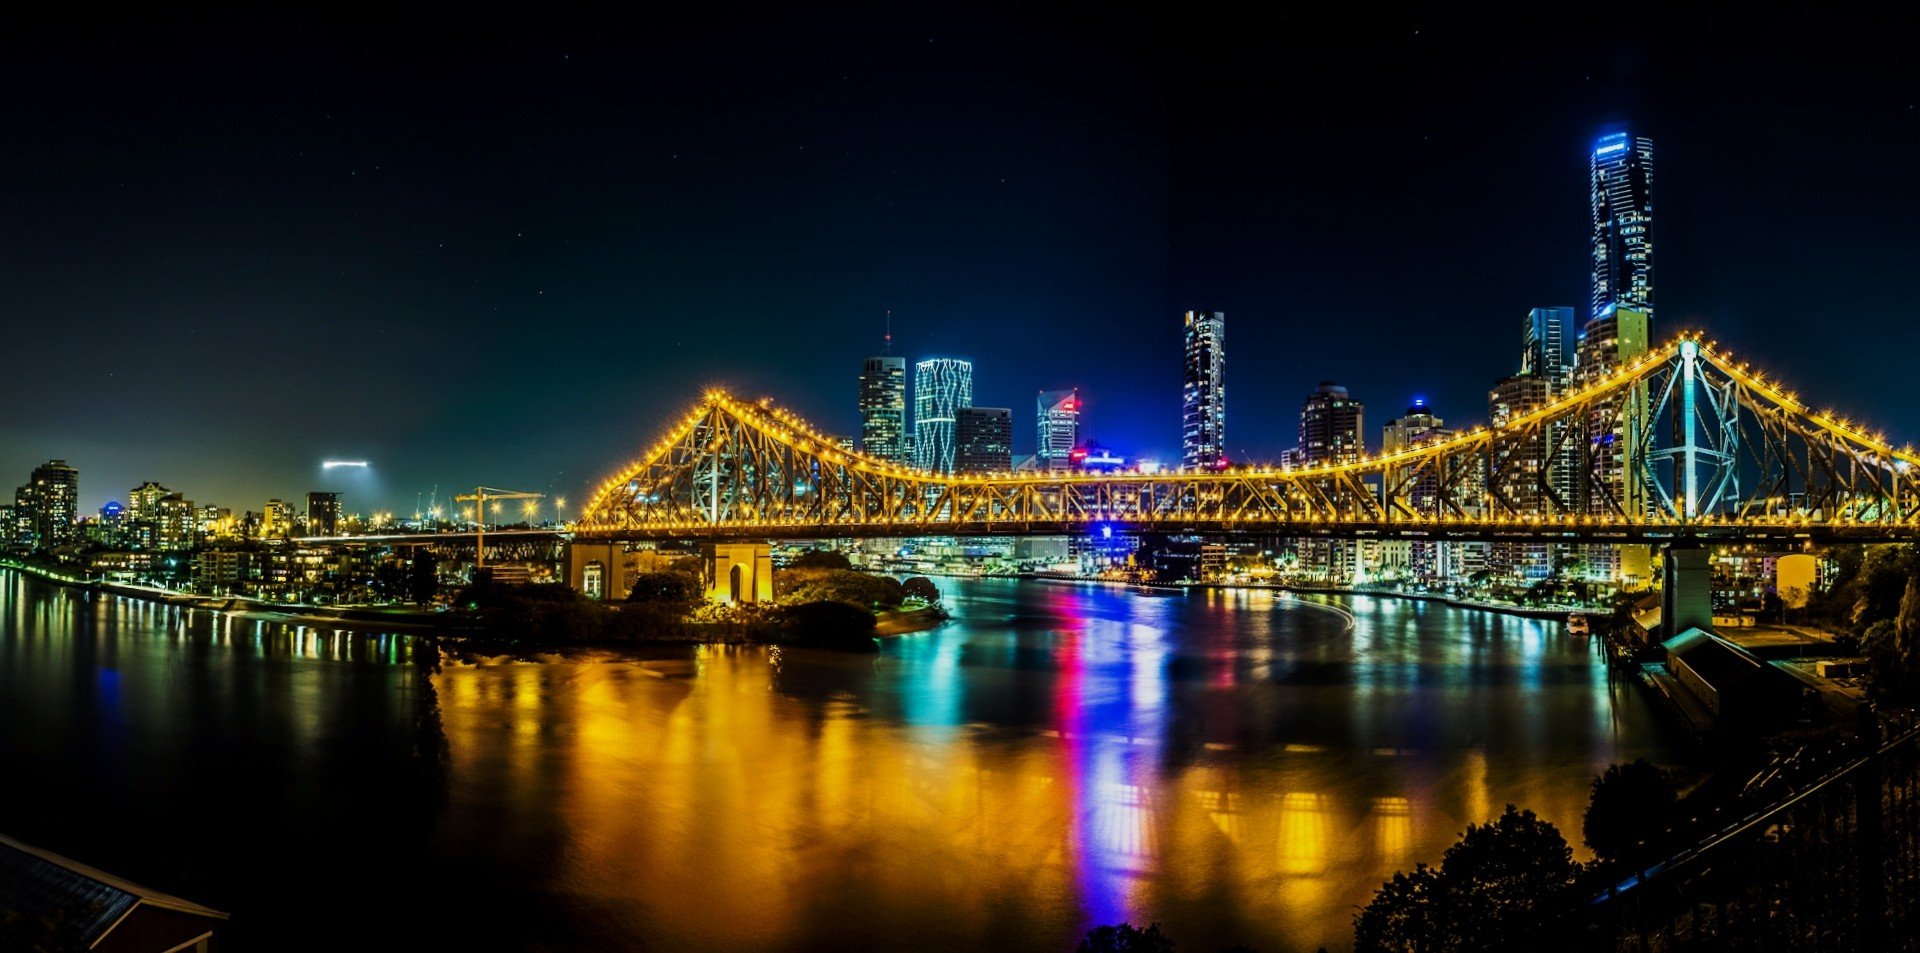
point(230, 249)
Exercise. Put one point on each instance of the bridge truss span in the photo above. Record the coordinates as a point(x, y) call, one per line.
point(1684, 442)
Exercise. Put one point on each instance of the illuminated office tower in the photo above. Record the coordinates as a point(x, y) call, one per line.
point(1059, 428)
point(941, 386)
point(983, 440)
point(276, 520)
point(1544, 347)
point(1203, 421)
point(883, 409)
point(1621, 183)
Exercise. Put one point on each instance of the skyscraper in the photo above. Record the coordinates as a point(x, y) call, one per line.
point(941, 386)
point(45, 509)
point(323, 513)
point(883, 409)
point(1621, 182)
point(1331, 425)
point(1203, 421)
point(1059, 428)
point(1544, 347)
point(983, 440)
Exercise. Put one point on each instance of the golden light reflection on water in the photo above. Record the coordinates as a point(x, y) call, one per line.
point(743, 798)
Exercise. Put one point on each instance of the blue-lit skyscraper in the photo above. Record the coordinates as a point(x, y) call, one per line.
point(1203, 421)
point(1621, 180)
point(941, 386)
point(1545, 353)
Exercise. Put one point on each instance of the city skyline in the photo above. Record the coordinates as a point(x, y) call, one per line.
point(350, 226)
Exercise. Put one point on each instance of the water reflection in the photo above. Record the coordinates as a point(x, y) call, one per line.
point(1239, 767)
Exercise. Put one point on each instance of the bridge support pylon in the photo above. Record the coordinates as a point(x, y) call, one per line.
point(1686, 596)
point(739, 572)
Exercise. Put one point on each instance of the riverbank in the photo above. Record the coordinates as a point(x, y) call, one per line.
point(439, 623)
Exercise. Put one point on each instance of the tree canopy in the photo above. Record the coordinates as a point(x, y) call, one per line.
point(1632, 805)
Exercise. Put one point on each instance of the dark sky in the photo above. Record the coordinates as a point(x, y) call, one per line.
point(231, 248)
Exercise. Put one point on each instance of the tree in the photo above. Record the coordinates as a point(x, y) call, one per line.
point(821, 559)
point(1906, 627)
point(667, 588)
point(1632, 805)
point(423, 582)
point(1489, 890)
point(1500, 875)
point(795, 586)
point(1126, 938)
point(1403, 914)
point(921, 588)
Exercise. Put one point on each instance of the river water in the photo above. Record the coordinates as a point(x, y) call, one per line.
point(1240, 767)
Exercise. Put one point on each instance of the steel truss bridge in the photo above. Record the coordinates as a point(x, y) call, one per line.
point(1685, 442)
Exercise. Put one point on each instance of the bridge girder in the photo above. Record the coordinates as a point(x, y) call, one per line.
point(1607, 462)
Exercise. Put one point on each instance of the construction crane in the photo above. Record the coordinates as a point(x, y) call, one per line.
point(479, 498)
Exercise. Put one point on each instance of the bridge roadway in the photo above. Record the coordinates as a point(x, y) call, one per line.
point(1710, 531)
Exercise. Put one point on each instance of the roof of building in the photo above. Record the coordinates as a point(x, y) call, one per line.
point(1717, 661)
point(36, 881)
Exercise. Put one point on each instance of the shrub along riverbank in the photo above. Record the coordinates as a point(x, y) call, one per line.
point(820, 606)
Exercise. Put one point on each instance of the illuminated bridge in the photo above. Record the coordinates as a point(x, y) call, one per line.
point(1685, 443)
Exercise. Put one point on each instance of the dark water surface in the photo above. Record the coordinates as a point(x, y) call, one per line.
point(1242, 768)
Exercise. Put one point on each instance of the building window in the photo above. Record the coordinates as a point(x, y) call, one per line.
point(593, 580)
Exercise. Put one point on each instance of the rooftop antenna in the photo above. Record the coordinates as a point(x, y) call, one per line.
point(887, 347)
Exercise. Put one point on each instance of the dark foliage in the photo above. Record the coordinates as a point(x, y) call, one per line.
point(423, 577)
point(1126, 938)
point(921, 588)
point(833, 625)
point(668, 588)
point(1490, 888)
point(1632, 806)
point(821, 559)
point(796, 586)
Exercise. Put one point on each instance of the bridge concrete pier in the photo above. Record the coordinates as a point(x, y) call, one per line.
point(1686, 595)
point(739, 572)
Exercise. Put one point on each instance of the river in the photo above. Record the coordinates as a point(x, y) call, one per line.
point(1241, 767)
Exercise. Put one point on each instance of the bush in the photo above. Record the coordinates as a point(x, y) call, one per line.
point(1632, 806)
point(821, 559)
point(796, 586)
point(921, 588)
point(834, 625)
point(668, 587)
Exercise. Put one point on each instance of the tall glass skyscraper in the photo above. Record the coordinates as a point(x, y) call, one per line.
point(941, 386)
point(1621, 181)
point(1059, 428)
point(883, 409)
point(1544, 352)
point(1203, 421)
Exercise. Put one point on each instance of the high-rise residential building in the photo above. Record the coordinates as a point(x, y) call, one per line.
point(323, 514)
point(1621, 182)
point(941, 386)
point(276, 520)
point(46, 510)
point(883, 409)
point(1544, 347)
point(1059, 429)
point(983, 440)
point(1331, 426)
point(174, 523)
point(143, 501)
point(1203, 420)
